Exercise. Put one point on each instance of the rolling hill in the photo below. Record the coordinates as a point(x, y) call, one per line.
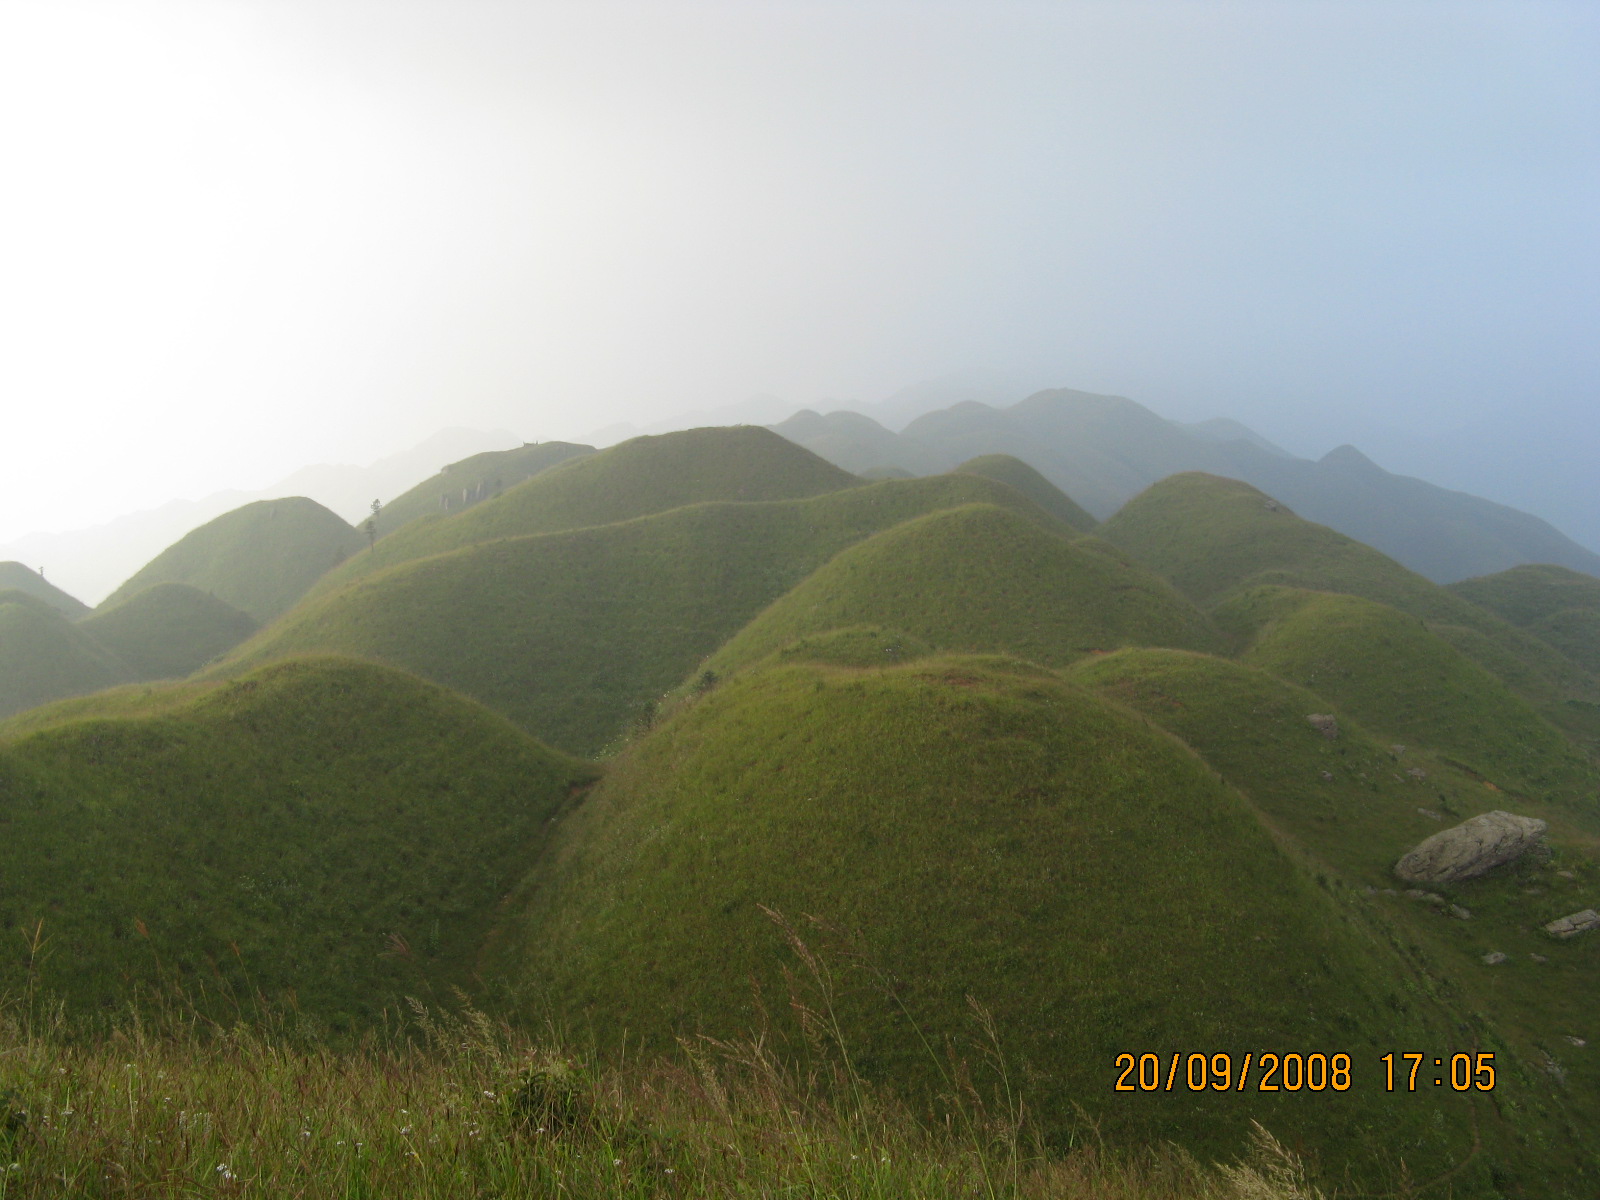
point(575, 635)
point(974, 827)
point(260, 558)
point(980, 579)
point(634, 479)
point(323, 833)
point(168, 630)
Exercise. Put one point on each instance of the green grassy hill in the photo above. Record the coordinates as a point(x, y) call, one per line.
point(573, 634)
point(963, 827)
point(1019, 475)
point(260, 558)
point(1386, 669)
point(44, 656)
point(980, 579)
point(16, 577)
point(322, 831)
point(168, 630)
point(634, 479)
point(472, 480)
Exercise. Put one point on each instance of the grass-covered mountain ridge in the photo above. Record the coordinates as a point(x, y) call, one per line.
point(705, 736)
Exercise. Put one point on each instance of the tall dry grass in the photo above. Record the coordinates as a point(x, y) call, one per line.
point(449, 1103)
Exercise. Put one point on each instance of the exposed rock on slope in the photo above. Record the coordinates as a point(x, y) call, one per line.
point(1471, 848)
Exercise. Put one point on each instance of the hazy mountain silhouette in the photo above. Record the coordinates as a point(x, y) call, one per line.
point(1103, 450)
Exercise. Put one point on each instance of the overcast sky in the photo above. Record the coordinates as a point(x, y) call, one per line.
point(237, 238)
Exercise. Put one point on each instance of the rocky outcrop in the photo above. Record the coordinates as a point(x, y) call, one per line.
point(1471, 848)
point(1324, 723)
point(1573, 924)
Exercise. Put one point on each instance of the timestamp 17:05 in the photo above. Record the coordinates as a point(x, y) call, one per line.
point(1465, 1073)
point(1292, 1072)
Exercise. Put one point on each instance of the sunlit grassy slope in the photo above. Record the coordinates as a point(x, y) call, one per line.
point(260, 558)
point(1386, 669)
point(569, 634)
point(637, 478)
point(168, 630)
point(980, 578)
point(44, 656)
point(321, 831)
point(1019, 475)
point(976, 827)
point(15, 576)
point(472, 480)
point(1356, 804)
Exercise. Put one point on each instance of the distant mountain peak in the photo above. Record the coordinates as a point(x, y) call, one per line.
point(1348, 457)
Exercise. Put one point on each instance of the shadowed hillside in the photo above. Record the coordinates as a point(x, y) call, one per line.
point(16, 577)
point(169, 630)
point(44, 656)
point(260, 558)
point(975, 827)
point(322, 831)
point(574, 635)
point(980, 579)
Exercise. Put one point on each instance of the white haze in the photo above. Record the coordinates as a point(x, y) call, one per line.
point(240, 238)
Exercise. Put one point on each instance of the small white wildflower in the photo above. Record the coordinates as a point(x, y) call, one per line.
point(616, 1162)
point(489, 1094)
point(405, 1129)
point(305, 1133)
point(669, 1171)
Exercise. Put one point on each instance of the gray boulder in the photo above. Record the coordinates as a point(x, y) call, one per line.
point(1573, 924)
point(1471, 848)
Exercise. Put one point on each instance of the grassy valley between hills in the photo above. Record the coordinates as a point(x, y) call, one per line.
point(694, 817)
